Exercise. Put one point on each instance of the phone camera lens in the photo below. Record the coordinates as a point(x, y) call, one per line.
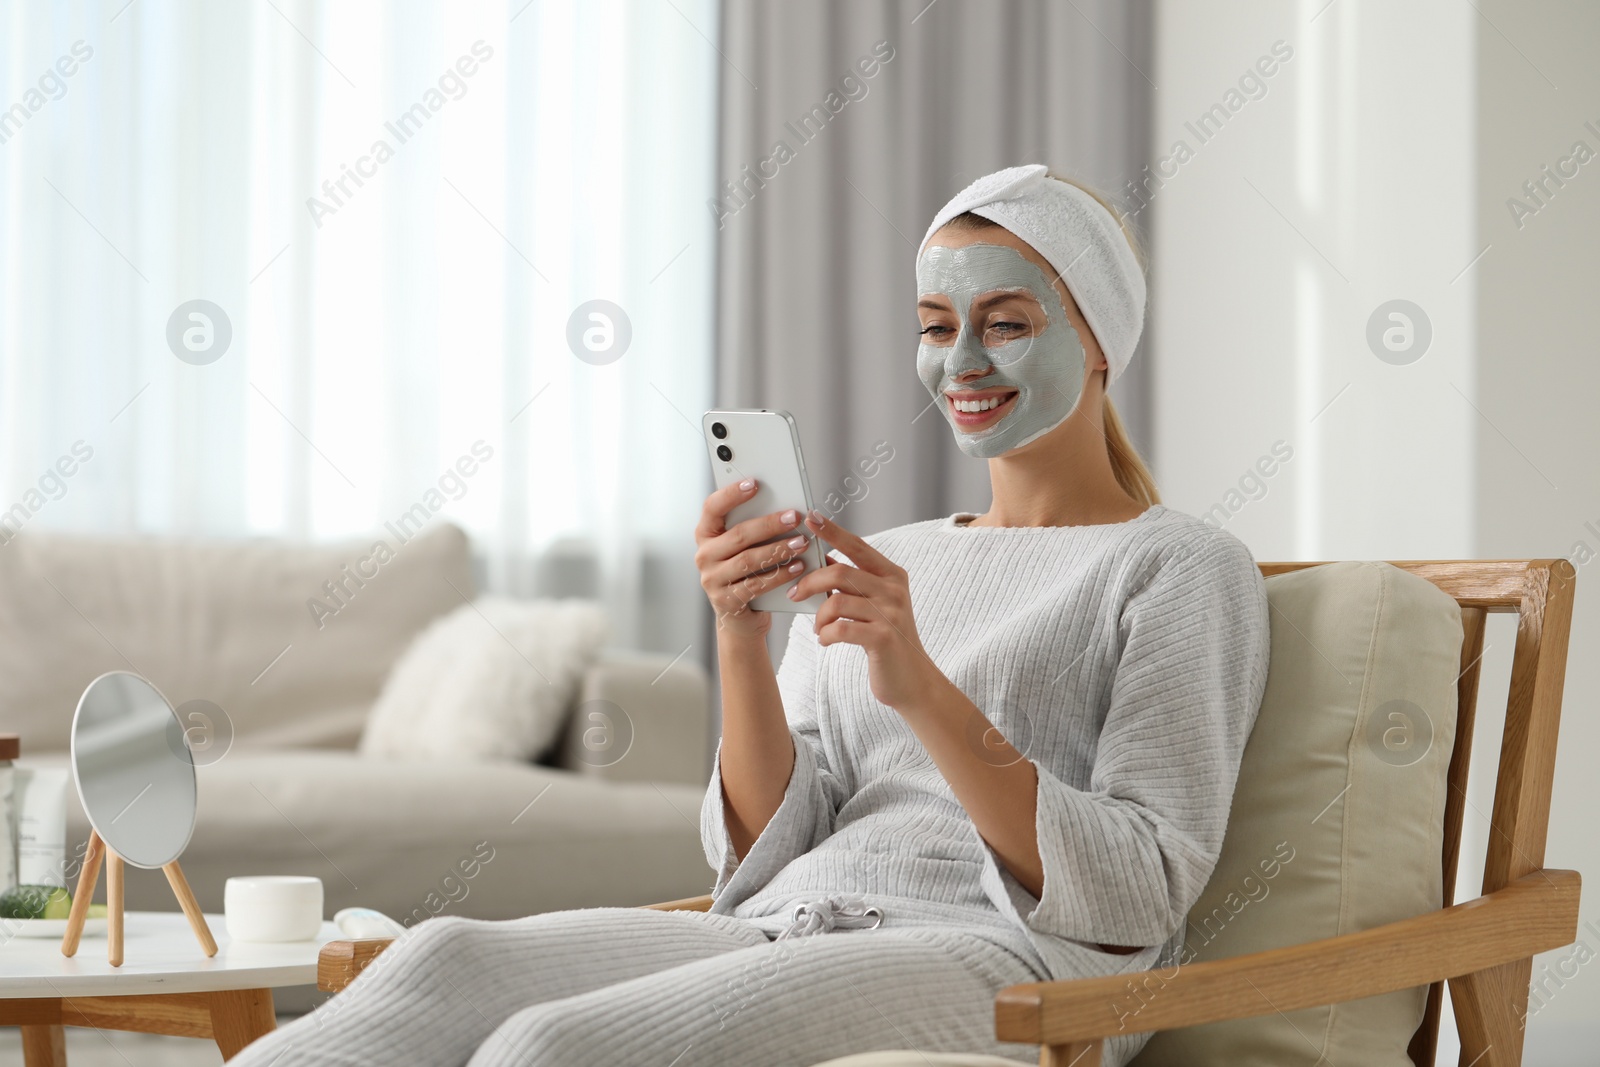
point(724, 453)
point(718, 430)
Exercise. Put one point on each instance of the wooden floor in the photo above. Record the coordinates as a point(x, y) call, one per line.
point(114, 1048)
point(1549, 1045)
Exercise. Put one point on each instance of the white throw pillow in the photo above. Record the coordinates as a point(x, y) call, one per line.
point(494, 679)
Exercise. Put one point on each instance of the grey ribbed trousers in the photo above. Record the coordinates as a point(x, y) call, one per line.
point(623, 986)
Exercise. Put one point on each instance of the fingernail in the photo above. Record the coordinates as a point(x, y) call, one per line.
point(794, 592)
point(796, 542)
point(816, 517)
point(790, 517)
point(748, 484)
point(797, 566)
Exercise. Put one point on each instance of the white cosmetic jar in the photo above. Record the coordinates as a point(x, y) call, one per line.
point(277, 907)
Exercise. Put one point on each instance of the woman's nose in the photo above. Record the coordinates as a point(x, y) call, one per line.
point(966, 357)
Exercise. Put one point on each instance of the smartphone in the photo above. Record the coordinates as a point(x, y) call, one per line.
point(765, 445)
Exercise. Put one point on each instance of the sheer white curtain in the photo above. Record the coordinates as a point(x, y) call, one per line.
point(398, 208)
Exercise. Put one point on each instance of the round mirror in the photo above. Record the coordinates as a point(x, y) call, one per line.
point(134, 770)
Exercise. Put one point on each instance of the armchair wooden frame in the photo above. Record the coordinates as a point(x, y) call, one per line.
point(1484, 948)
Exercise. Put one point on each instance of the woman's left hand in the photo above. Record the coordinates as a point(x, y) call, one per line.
point(872, 609)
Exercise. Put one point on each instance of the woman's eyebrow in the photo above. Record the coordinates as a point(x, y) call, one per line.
point(1002, 297)
point(932, 305)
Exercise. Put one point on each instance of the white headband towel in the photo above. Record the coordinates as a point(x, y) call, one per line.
point(1079, 238)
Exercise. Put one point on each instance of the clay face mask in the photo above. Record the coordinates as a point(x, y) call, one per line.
point(1046, 368)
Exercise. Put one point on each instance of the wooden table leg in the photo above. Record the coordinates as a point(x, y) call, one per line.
point(238, 1017)
point(44, 1046)
point(113, 908)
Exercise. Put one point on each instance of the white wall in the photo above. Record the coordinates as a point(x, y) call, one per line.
point(1375, 167)
point(1274, 244)
point(1539, 380)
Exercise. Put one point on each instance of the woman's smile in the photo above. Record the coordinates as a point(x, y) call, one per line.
point(973, 409)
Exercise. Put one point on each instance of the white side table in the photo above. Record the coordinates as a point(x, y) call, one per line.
point(165, 985)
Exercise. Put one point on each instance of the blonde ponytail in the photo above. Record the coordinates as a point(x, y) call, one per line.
point(1131, 473)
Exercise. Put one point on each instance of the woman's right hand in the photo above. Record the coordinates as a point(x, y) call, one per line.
point(736, 567)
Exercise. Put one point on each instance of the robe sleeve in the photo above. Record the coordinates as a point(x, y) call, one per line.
point(805, 817)
point(1126, 858)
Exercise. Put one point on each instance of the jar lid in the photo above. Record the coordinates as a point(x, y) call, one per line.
point(10, 746)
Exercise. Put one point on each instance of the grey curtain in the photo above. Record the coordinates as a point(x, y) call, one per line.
point(824, 200)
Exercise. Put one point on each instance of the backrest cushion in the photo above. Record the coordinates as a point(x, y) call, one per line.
point(1338, 814)
point(283, 643)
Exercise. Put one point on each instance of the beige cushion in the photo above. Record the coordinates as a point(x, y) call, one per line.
point(203, 619)
point(641, 717)
point(1337, 821)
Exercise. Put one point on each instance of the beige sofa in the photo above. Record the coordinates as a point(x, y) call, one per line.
point(228, 624)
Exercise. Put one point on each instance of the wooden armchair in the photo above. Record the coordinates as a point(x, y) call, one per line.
point(1483, 947)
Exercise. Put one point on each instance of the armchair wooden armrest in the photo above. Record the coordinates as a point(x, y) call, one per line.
point(1070, 1019)
point(700, 903)
point(339, 962)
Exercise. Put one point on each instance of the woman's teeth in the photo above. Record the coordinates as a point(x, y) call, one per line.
point(980, 405)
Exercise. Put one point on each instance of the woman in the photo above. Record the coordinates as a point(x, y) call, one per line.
point(1003, 750)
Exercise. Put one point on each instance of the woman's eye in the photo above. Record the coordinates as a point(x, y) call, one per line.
point(934, 330)
point(1008, 330)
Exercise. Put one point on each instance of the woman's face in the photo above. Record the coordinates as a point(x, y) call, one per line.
point(1002, 335)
